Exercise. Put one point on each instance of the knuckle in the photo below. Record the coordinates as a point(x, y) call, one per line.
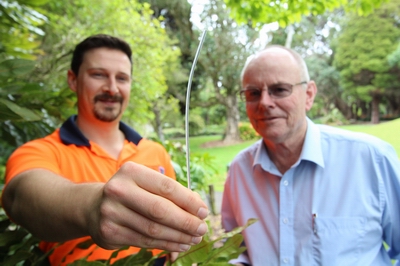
point(159, 210)
point(105, 210)
point(112, 189)
point(193, 199)
point(147, 241)
point(187, 224)
point(167, 186)
point(153, 229)
point(106, 231)
point(129, 167)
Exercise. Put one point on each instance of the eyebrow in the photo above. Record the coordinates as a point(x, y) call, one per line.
point(103, 69)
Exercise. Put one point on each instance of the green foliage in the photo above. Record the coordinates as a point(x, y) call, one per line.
point(20, 28)
point(247, 131)
point(205, 253)
point(20, 115)
point(394, 58)
point(172, 133)
point(196, 123)
point(361, 54)
point(201, 166)
point(334, 117)
point(17, 245)
point(287, 12)
point(364, 45)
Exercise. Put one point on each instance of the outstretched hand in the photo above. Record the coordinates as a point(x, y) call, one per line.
point(141, 207)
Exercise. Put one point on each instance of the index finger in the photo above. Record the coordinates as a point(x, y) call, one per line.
point(168, 188)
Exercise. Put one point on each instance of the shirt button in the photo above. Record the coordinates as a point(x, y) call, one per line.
point(285, 220)
point(285, 260)
point(285, 183)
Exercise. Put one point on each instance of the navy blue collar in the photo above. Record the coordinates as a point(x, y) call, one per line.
point(70, 133)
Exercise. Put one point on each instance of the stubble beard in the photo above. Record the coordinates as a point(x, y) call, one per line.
point(108, 114)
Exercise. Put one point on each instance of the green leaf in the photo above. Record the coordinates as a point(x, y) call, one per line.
point(11, 111)
point(205, 252)
point(85, 244)
point(115, 254)
point(195, 254)
point(4, 225)
point(20, 255)
point(15, 67)
point(22, 87)
point(230, 250)
point(237, 230)
point(86, 263)
point(140, 258)
point(33, 2)
point(11, 237)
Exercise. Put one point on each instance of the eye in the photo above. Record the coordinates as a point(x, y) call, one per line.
point(252, 94)
point(123, 78)
point(280, 90)
point(98, 74)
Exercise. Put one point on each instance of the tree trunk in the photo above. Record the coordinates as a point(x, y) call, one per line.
point(232, 118)
point(343, 108)
point(363, 108)
point(157, 121)
point(375, 108)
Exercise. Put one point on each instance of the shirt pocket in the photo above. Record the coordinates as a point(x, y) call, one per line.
point(337, 240)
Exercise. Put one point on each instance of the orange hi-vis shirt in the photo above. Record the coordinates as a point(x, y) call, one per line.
point(68, 153)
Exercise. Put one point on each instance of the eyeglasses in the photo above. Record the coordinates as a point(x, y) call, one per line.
point(276, 91)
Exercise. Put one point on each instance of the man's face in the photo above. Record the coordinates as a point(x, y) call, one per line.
point(278, 120)
point(103, 84)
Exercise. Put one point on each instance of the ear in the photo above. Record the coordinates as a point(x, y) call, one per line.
point(310, 94)
point(71, 79)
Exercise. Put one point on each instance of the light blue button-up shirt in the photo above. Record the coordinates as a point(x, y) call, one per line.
point(335, 206)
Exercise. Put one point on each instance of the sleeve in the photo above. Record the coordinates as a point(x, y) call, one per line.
point(33, 154)
point(390, 197)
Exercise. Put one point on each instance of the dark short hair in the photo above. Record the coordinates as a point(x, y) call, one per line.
point(98, 41)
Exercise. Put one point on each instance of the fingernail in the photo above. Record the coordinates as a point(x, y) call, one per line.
point(202, 213)
point(196, 240)
point(202, 229)
point(184, 247)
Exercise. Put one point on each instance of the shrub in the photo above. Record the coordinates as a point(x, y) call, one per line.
point(247, 131)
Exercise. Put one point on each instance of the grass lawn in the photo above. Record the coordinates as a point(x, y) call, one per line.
point(222, 156)
point(388, 131)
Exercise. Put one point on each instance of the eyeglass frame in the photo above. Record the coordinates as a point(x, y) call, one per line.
point(243, 96)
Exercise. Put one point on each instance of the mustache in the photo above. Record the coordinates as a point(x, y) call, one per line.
point(108, 97)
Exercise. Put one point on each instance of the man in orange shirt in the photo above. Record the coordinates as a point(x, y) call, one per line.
point(95, 177)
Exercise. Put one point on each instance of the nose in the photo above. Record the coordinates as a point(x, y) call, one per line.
point(111, 86)
point(266, 100)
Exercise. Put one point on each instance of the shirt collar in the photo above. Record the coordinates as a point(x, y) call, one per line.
point(311, 150)
point(70, 133)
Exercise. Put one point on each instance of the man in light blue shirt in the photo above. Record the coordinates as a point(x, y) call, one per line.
point(322, 195)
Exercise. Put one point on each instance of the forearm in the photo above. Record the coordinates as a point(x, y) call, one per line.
point(136, 207)
point(49, 206)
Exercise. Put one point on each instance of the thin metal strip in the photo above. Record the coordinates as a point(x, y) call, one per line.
point(189, 88)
